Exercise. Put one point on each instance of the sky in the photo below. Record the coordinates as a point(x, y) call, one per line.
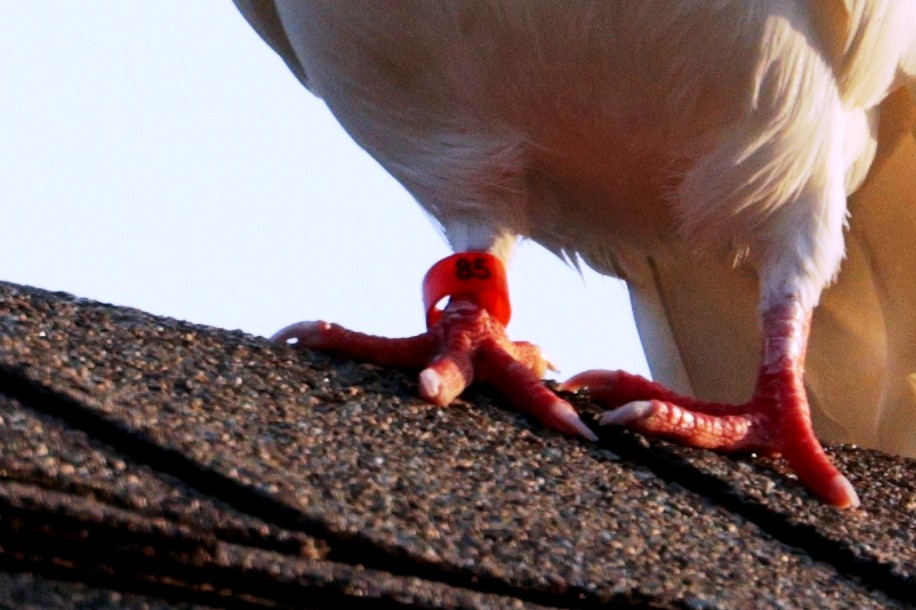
point(157, 154)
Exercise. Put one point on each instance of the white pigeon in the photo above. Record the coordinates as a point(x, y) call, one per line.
point(702, 150)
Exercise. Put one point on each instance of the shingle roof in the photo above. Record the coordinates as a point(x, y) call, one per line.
point(147, 462)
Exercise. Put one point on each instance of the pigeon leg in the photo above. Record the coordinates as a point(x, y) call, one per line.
point(465, 341)
point(776, 420)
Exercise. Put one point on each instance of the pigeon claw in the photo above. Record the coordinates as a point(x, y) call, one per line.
point(774, 421)
point(465, 344)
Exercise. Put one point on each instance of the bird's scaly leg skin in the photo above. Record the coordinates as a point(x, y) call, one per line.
point(465, 342)
point(776, 420)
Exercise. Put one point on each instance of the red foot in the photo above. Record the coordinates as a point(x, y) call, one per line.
point(775, 421)
point(464, 344)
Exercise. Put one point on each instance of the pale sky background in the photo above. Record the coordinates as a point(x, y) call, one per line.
point(157, 154)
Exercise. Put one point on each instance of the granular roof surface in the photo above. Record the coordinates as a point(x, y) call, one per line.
point(152, 463)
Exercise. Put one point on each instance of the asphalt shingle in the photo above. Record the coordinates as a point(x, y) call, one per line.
point(279, 474)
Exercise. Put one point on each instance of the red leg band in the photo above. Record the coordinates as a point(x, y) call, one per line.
point(477, 277)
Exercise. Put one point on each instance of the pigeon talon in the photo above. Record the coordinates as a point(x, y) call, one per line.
point(465, 341)
point(776, 420)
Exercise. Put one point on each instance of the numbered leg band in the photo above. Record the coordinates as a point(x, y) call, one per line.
point(477, 277)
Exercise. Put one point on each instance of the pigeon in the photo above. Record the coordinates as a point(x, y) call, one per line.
point(720, 157)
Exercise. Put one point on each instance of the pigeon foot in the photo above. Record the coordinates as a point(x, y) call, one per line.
point(774, 421)
point(466, 342)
